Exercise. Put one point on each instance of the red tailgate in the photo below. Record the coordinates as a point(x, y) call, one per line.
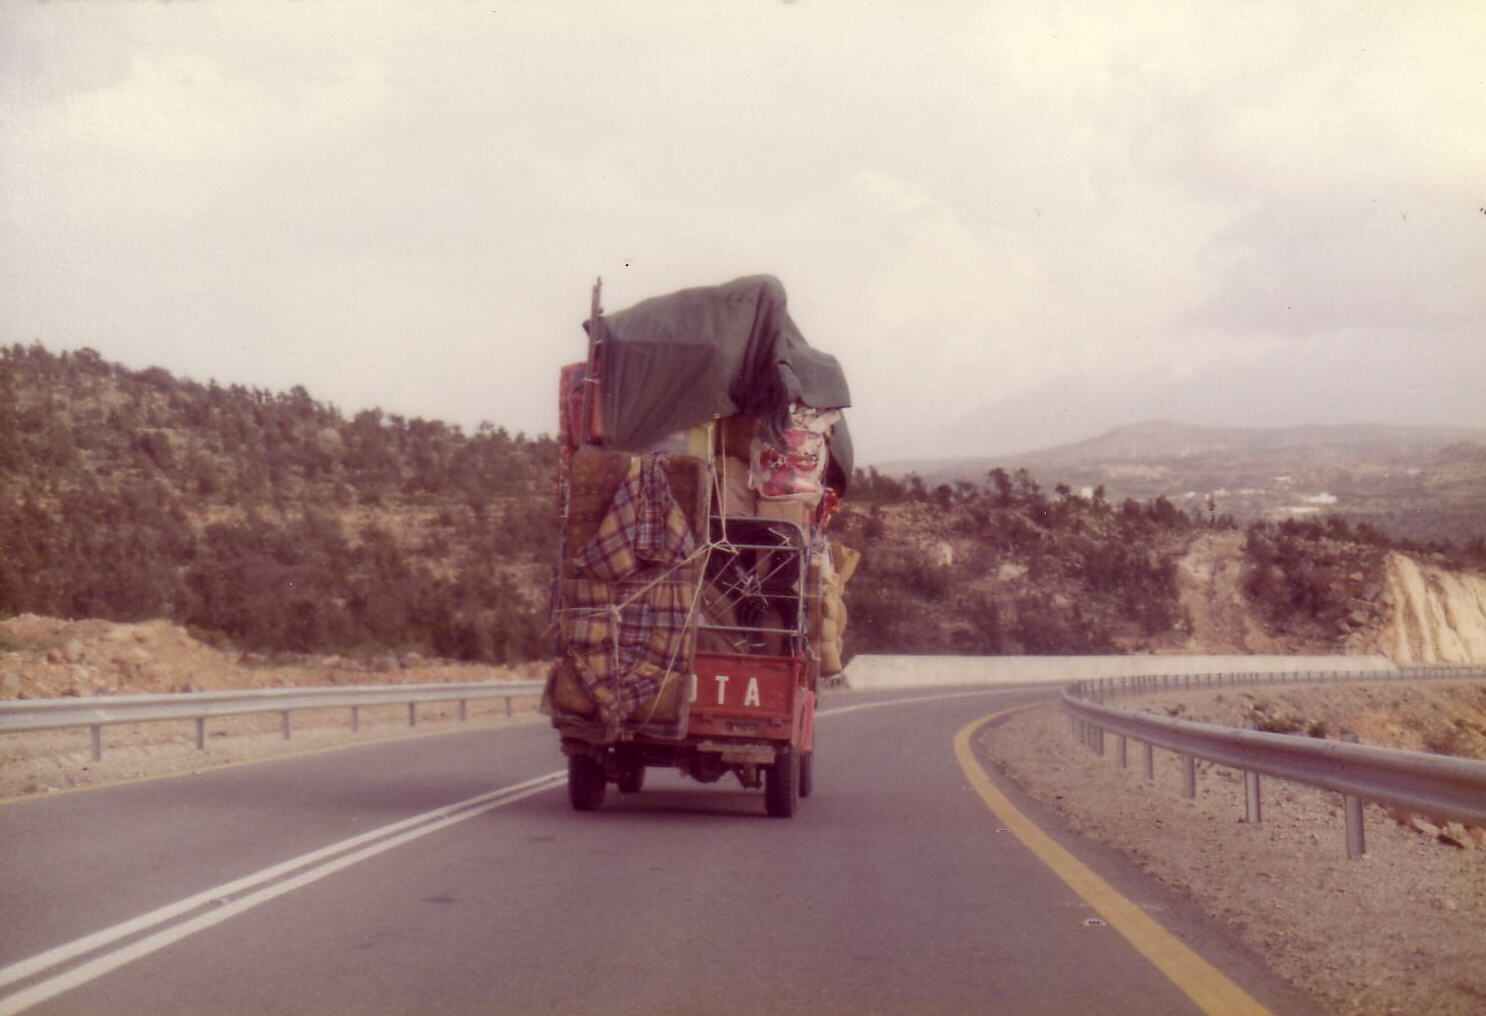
point(744, 696)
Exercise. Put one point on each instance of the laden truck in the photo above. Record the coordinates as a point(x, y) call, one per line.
point(697, 598)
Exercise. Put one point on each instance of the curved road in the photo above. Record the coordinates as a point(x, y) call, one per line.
point(447, 874)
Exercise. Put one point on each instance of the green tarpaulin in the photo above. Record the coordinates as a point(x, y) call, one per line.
point(674, 361)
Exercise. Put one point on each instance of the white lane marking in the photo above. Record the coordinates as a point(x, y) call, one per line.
point(391, 836)
point(388, 837)
point(838, 710)
point(61, 954)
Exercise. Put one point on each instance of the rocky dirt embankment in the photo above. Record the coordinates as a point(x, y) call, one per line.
point(47, 658)
point(42, 657)
point(1434, 716)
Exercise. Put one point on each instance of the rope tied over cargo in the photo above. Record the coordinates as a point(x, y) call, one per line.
point(657, 579)
point(627, 597)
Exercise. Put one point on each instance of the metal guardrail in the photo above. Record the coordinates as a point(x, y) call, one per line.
point(101, 711)
point(1103, 689)
point(1434, 785)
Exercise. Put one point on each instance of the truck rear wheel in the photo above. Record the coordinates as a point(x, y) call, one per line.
point(586, 782)
point(782, 785)
point(807, 773)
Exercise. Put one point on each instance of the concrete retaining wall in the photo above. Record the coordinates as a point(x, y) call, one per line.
point(868, 672)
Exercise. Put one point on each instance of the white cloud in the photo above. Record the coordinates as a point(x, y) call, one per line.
point(972, 205)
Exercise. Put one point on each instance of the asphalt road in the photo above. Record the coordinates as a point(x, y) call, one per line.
point(447, 874)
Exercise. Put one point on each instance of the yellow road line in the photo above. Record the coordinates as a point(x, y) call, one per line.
point(1202, 982)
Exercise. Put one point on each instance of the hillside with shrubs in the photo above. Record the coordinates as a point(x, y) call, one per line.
point(266, 520)
point(1006, 567)
point(274, 523)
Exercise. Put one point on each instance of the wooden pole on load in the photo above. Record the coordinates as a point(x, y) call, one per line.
point(584, 435)
point(590, 376)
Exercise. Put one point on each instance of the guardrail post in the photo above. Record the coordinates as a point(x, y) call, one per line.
point(412, 714)
point(1356, 836)
point(1189, 776)
point(1099, 741)
point(97, 742)
point(1251, 802)
point(463, 710)
point(355, 719)
point(286, 724)
point(508, 706)
point(1150, 762)
point(1122, 751)
point(201, 733)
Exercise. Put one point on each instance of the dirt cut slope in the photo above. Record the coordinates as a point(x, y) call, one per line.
point(1210, 583)
point(1409, 611)
point(1437, 616)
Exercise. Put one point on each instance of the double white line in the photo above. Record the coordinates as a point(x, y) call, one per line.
point(124, 943)
point(205, 909)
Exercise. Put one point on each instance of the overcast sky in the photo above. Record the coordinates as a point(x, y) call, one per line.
point(1016, 224)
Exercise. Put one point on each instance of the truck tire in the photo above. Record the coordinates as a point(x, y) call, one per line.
point(586, 782)
point(782, 785)
point(807, 773)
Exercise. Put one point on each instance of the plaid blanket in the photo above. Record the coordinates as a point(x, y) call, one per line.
point(625, 621)
point(643, 528)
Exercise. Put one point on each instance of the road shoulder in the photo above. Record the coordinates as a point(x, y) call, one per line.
point(1402, 930)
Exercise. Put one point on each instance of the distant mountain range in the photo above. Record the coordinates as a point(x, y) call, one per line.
point(1418, 482)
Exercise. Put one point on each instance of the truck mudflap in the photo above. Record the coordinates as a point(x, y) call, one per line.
point(807, 721)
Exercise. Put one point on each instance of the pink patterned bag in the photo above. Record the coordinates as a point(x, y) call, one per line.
point(795, 472)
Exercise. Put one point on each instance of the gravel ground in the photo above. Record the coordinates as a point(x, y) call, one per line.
point(1401, 930)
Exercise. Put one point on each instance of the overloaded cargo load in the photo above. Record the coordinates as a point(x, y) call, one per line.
point(698, 599)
